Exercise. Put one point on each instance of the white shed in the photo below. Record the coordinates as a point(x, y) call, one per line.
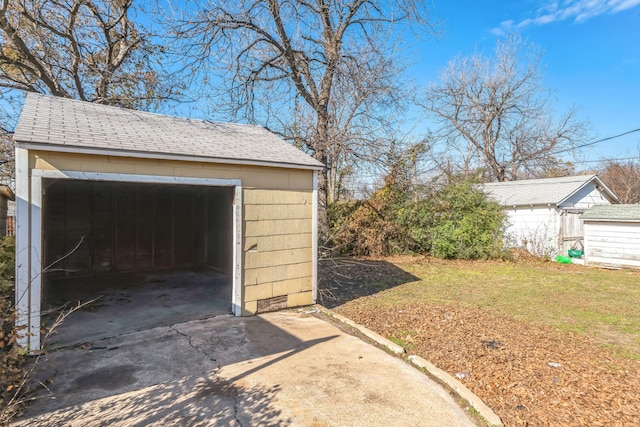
point(612, 236)
point(544, 214)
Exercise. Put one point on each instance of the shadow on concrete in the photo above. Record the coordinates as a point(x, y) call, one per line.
point(128, 302)
point(168, 375)
point(344, 279)
point(193, 401)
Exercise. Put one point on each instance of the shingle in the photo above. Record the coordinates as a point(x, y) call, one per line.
point(613, 212)
point(535, 191)
point(70, 123)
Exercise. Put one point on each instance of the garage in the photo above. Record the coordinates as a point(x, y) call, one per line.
point(612, 236)
point(110, 196)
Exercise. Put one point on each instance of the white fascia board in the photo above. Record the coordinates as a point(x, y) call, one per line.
point(161, 156)
point(236, 303)
point(598, 185)
point(23, 251)
point(586, 220)
point(35, 291)
point(127, 177)
point(314, 237)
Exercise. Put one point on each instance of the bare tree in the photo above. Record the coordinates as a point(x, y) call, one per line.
point(623, 178)
point(495, 115)
point(90, 50)
point(321, 73)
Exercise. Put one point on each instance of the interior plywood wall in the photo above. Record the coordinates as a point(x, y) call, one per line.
point(134, 226)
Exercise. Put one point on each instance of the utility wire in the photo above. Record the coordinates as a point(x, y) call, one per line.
point(595, 142)
point(605, 160)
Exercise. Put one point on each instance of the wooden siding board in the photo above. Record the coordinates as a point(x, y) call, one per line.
point(299, 299)
point(257, 212)
point(277, 227)
point(300, 241)
point(277, 273)
point(612, 244)
point(266, 259)
point(277, 197)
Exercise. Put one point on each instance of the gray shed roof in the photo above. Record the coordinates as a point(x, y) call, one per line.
point(59, 124)
point(545, 191)
point(612, 213)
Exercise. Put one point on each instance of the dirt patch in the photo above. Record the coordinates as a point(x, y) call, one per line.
point(530, 375)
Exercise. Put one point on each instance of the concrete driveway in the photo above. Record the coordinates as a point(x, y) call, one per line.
point(284, 368)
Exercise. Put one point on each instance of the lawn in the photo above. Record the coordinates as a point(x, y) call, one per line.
point(603, 304)
point(542, 343)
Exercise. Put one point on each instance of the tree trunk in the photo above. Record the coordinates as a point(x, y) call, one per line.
point(320, 154)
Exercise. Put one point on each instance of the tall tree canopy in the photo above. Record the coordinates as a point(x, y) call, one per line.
point(495, 116)
point(322, 73)
point(90, 50)
point(623, 177)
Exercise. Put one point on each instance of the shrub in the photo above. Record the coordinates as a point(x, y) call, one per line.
point(466, 224)
point(455, 221)
point(11, 359)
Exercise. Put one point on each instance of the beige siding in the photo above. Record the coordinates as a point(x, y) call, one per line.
point(251, 176)
point(278, 241)
point(277, 217)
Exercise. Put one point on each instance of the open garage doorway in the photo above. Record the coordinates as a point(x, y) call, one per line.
point(154, 254)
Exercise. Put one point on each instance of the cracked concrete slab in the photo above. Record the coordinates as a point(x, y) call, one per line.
point(282, 368)
point(137, 301)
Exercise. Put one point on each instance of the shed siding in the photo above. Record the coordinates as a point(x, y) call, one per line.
point(277, 217)
point(278, 232)
point(614, 244)
point(534, 228)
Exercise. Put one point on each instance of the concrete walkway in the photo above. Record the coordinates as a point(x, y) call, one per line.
point(285, 369)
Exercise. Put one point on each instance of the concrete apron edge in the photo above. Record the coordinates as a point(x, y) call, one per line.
point(456, 386)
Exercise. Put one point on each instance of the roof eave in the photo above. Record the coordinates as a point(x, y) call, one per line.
point(531, 205)
point(599, 183)
point(611, 219)
point(158, 155)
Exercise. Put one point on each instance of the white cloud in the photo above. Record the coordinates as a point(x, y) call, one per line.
point(574, 10)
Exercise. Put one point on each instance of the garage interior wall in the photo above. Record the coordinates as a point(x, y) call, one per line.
point(134, 226)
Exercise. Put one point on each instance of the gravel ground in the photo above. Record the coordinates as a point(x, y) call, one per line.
point(528, 374)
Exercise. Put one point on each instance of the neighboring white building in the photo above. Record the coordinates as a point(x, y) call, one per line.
point(544, 214)
point(612, 236)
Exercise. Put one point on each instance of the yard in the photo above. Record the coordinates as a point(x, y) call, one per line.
point(541, 343)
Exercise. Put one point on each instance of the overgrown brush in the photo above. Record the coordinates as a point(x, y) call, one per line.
point(455, 220)
point(11, 359)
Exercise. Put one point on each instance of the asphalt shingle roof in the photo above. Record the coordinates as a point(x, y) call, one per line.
point(613, 212)
point(536, 191)
point(55, 123)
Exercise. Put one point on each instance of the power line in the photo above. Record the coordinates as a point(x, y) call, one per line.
point(606, 160)
point(595, 142)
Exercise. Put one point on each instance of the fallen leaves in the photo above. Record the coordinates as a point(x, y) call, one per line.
point(528, 374)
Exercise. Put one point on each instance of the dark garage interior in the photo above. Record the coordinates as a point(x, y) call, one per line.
point(126, 242)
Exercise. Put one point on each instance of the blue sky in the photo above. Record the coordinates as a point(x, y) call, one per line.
point(591, 60)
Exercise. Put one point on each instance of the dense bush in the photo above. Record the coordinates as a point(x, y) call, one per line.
point(11, 360)
point(466, 225)
point(454, 221)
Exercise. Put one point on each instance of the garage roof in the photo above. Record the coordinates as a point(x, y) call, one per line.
point(612, 213)
point(544, 191)
point(60, 124)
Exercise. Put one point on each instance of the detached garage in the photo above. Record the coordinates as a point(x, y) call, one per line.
point(103, 192)
point(612, 236)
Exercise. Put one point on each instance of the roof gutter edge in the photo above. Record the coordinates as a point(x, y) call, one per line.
point(159, 156)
